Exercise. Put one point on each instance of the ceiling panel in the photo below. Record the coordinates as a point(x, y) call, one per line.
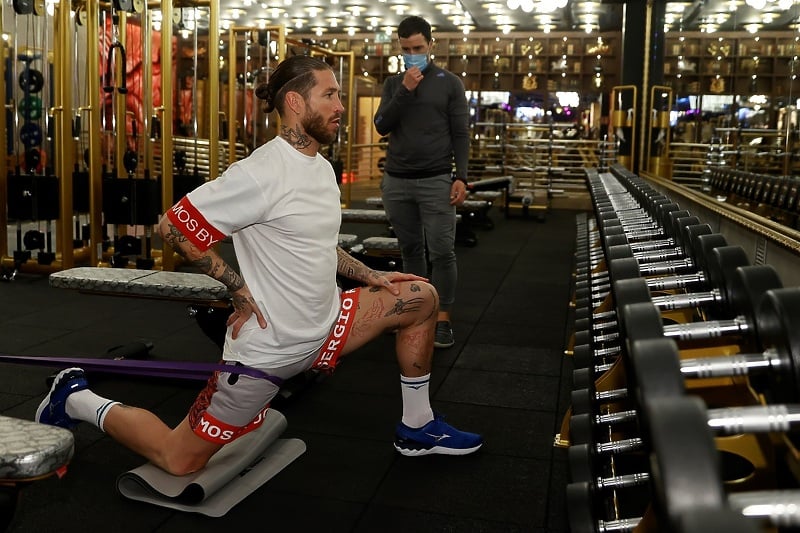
point(382, 16)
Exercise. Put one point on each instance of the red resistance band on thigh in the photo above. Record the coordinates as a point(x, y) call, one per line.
point(331, 350)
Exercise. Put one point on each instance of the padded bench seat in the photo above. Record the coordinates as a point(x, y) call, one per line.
point(365, 215)
point(375, 216)
point(30, 450)
point(468, 205)
point(145, 283)
point(384, 244)
point(161, 284)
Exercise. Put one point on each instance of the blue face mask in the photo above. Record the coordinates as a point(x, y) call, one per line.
point(415, 60)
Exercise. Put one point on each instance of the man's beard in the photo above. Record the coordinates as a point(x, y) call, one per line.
point(317, 128)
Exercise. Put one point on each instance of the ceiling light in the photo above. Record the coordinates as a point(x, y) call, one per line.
point(540, 6)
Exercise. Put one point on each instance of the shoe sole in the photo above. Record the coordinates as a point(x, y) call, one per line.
point(441, 450)
point(442, 345)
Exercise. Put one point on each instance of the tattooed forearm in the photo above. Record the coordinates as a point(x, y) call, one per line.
point(208, 262)
point(349, 267)
point(220, 271)
point(296, 137)
point(174, 238)
point(231, 279)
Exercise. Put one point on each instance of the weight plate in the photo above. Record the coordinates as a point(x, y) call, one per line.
point(719, 265)
point(746, 288)
point(33, 240)
point(30, 80)
point(640, 321)
point(656, 370)
point(619, 251)
point(684, 462)
point(138, 6)
point(30, 107)
point(703, 246)
point(777, 319)
point(130, 160)
point(33, 157)
point(39, 8)
point(123, 5)
point(630, 291)
point(30, 134)
point(581, 502)
point(80, 16)
point(624, 268)
point(23, 7)
point(690, 233)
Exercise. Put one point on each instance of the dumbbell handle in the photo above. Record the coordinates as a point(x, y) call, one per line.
point(780, 507)
point(754, 419)
point(663, 283)
point(625, 525)
point(679, 281)
point(648, 246)
point(662, 255)
point(616, 417)
point(777, 418)
point(613, 394)
point(621, 482)
point(665, 267)
point(705, 330)
point(686, 300)
point(729, 366)
point(619, 446)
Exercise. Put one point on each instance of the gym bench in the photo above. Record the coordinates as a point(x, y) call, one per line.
point(29, 451)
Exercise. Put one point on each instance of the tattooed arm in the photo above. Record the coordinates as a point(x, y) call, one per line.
point(350, 267)
point(211, 263)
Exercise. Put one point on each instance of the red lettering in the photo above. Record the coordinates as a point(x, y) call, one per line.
point(193, 225)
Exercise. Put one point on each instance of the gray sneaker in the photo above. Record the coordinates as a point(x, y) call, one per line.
point(444, 335)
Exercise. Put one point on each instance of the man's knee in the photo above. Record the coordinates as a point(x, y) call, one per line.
point(183, 463)
point(424, 292)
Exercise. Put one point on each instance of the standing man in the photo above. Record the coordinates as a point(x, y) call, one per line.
point(424, 112)
point(282, 207)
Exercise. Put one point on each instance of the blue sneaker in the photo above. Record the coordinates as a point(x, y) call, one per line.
point(52, 410)
point(435, 437)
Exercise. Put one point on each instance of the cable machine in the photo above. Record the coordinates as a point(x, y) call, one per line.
point(38, 191)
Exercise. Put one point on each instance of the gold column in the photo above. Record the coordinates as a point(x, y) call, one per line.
point(231, 96)
point(213, 89)
point(93, 116)
point(658, 134)
point(3, 142)
point(62, 115)
point(167, 92)
point(623, 118)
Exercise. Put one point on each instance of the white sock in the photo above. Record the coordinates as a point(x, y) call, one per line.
point(416, 402)
point(89, 407)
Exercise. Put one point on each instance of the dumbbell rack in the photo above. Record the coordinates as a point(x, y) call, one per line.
point(672, 422)
point(607, 153)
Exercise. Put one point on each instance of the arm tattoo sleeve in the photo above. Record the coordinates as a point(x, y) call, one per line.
point(350, 267)
point(208, 262)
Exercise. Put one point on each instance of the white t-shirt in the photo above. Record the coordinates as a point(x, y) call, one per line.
point(283, 211)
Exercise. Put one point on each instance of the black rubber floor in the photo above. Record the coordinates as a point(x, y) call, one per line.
point(506, 378)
